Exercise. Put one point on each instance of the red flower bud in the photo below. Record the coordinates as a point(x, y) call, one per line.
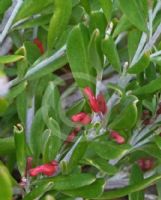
point(102, 103)
point(39, 45)
point(46, 169)
point(146, 164)
point(92, 99)
point(117, 137)
point(72, 135)
point(97, 104)
point(35, 171)
point(28, 165)
point(88, 92)
point(82, 118)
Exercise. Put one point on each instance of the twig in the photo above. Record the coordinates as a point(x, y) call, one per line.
point(29, 118)
point(139, 49)
point(9, 23)
point(151, 42)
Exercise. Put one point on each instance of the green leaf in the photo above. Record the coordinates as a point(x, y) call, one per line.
point(77, 43)
point(149, 88)
point(136, 11)
point(86, 5)
point(5, 182)
point(98, 21)
point(76, 107)
point(7, 146)
point(127, 117)
point(10, 59)
point(3, 106)
point(109, 150)
point(109, 49)
point(16, 90)
point(53, 142)
point(102, 165)
point(136, 177)
point(32, 52)
point(40, 69)
point(78, 153)
point(158, 141)
point(31, 7)
point(39, 191)
point(69, 182)
point(91, 191)
point(21, 105)
point(36, 133)
point(59, 21)
point(94, 51)
point(20, 144)
point(123, 25)
point(150, 72)
point(4, 5)
point(133, 41)
point(106, 6)
point(130, 189)
point(39, 21)
point(51, 100)
point(158, 185)
point(140, 66)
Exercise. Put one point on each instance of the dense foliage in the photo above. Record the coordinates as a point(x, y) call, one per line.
point(80, 105)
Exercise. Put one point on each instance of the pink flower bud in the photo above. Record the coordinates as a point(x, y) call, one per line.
point(39, 45)
point(46, 169)
point(82, 118)
point(117, 137)
point(35, 171)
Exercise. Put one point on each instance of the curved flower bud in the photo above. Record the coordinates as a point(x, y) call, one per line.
point(46, 169)
point(82, 118)
point(117, 137)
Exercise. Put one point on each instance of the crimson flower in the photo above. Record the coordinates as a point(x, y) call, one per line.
point(117, 137)
point(97, 104)
point(47, 169)
point(39, 45)
point(82, 118)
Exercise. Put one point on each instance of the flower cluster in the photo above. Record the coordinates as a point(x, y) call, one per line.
point(98, 105)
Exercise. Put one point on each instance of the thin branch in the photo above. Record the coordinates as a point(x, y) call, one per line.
point(45, 62)
point(9, 23)
point(29, 118)
point(155, 36)
point(140, 48)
